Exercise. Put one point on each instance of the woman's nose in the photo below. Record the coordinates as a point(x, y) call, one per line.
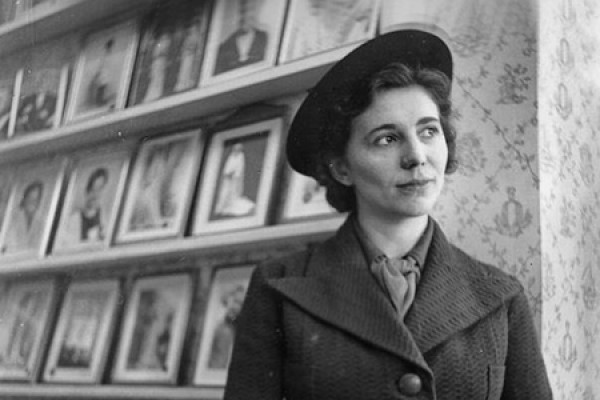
point(413, 155)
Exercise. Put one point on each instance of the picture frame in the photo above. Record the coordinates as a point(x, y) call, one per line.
point(238, 177)
point(30, 8)
point(316, 26)
point(6, 185)
point(160, 188)
point(227, 293)
point(9, 93)
point(171, 50)
point(31, 209)
point(260, 22)
point(29, 310)
point(153, 331)
point(304, 198)
point(90, 208)
point(43, 81)
point(79, 347)
point(103, 71)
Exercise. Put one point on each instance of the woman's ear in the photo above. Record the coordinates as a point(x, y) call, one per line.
point(339, 170)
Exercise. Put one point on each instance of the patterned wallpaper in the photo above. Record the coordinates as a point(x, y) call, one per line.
point(569, 148)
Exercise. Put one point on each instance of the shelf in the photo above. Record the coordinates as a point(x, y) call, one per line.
point(108, 392)
point(152, 118)
point(66, 16)
point(121, 256)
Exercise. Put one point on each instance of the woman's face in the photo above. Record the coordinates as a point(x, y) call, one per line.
point(396, 155)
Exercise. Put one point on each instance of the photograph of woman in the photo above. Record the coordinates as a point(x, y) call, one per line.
point(315, 25)
point(387, 308)
point(27, 220)
point(231, 200)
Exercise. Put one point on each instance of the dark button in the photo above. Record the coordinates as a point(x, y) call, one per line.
point(410, 384)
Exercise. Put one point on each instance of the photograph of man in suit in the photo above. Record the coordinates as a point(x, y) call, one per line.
point(247, 44)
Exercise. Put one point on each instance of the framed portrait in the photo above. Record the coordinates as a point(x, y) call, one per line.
point(43, 84)
point(153, 331)
point(304, 198)
point(31, 209)
point(225, 300)
point(9, 66)
point(171, 50)
point(79, 347)
point(103, 71)
point(314, 26)
point(238, 177)
point(28, 310)
point(91, 203)
point(160, 187)
point(243, 38)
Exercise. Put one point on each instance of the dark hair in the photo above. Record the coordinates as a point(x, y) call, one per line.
point(35, 185)
point(98, 173)
point(359, 98)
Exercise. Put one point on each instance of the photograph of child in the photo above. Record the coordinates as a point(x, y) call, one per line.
point(244, 37)
point(171, 50)
point(91, 203)
point(224, 304)
point(314, 26)
point(30, 214)
point(43, 86)
point(103, 71)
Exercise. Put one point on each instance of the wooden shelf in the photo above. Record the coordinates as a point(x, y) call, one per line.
point(66, 16)
point(13, 390)
point(155, 117)
point(121, 256)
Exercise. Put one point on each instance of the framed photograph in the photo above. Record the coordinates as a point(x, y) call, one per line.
point(43, 84)
point(160, 187)
point(171, 50)
point(9, 66)
point(303, 198)
point(91, 203)
point(243, 38)
point(226, 297)
point(79, 347)
point(103, 71)
point(314, 26)
point(31, 7)
point(28, 311)
point(154, 329)
point(238, 177)
point(31, 209)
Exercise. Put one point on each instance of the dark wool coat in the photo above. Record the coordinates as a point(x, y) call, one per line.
point(316, 325)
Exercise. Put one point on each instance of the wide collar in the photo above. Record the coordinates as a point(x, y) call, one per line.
point(453, 294)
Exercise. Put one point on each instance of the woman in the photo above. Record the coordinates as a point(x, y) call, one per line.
point(387, 308)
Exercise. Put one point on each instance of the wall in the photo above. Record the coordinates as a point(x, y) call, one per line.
point(569, 113)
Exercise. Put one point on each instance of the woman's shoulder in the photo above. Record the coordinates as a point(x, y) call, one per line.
point(289, 265)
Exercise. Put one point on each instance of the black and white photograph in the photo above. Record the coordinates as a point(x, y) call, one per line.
point(161, 185)
point(43, 86)
point(31, 209)
point(23, 332)
point(103, 71)
point(81, 339)
point(304, 198)
point(227, 293)
point(171, 50)
point(238, 177)
point(244, 38)
point(90, 207)
point(315, 26)
point(152, 334)
point(9, 67)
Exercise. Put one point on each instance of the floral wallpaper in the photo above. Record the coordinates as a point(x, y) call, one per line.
point(569, 149)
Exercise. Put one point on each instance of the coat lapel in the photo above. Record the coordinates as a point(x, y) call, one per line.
point(339, 289)
point(454, 293)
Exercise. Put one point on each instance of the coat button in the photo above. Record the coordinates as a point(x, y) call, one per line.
point(410, 384)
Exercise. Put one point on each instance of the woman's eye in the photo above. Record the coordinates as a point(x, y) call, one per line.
point(385, 140)
point(430, 131)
